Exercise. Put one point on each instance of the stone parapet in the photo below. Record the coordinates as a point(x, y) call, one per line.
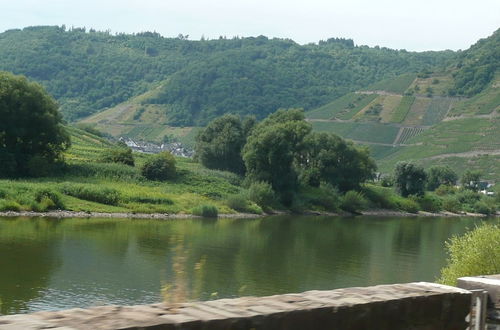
point(416, 306)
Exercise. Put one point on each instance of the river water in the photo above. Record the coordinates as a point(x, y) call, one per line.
point(50, 264)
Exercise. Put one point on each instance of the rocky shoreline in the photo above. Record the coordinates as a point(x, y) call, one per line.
point(59, 214)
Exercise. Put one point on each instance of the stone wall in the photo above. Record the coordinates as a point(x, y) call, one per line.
point(413, 306)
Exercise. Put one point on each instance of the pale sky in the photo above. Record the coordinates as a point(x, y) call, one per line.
point(410, 24)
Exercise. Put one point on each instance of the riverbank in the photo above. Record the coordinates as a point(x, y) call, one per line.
point(59, 214)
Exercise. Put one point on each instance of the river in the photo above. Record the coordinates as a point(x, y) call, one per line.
point(50, 264)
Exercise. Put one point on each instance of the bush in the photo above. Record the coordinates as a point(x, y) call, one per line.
point(151, 200)
point(207, 211)
point(262, 194)
point(430, 203)
point(160, 167)
point(484, 208)
point(93, 193)
point(8, 205)
point(49, 199)
point(468, 197)
point(451, 204)
point(353, 201)
point(445, 189)
point(240, 203)
point(380, 197)
point(120, 155)
point(474, 253)
point(408, 205)
point(387, 181)
point(326, 197)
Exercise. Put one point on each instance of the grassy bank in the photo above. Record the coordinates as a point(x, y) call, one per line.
point(89, 184)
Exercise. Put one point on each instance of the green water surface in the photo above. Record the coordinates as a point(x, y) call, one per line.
point(48, 264)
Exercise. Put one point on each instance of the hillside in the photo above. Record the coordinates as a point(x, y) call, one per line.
point(414, 118)
point(89, 184)
point(191, 82)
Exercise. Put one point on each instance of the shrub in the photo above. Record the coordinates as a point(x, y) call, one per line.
point(207, 211)
point(240, 203)
point(445, 189)
point(484, 208)
point(8, 205)
point(353, 201)
point(93, 193)
point(326, 197)
point(262, 194)
point(160, 167)
point(468, 197)
point(49, 199)
point(151, 200)
point(237, 202)
point(380, 197)
point(474, 253)
point(120, 155)
point(451, 204)
point(408, 205)
point(430, 203)
point(387, 181)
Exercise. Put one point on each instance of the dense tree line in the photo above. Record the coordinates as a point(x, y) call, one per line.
point(88, 71)
point(283, 152)
point(477, 66)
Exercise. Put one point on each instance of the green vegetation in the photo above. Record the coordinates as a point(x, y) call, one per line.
point(32, 137)
point(219, 145)
point(474, 253)
point(283, 152)
point(397, 84)
point(402, 109)
point(344, 105)
point(370, 132)
point(120, 155)
point(409, 179)
point(436, 111)
point(160, 167)
point(193, 82)
point(477, 66)
point(440, 175)
point(207, 211)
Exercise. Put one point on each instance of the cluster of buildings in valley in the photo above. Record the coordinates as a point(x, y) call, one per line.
point(175, 148)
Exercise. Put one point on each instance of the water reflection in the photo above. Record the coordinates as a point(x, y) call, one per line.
point(54, 264)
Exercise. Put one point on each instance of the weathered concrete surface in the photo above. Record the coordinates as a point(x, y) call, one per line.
point(416, 306)
point(490, 283)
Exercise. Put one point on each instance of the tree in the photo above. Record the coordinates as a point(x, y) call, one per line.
point(409, 179)
point(440, 175)
point(30, 126)
point(470, 180)
point(160, 167)
point(219, 145)
point(271, 150)
point(329, 158)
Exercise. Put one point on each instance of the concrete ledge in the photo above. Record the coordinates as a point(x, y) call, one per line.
point(416, 306)
point(490, 283)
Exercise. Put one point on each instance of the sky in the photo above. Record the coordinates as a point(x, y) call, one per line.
point(400, 24)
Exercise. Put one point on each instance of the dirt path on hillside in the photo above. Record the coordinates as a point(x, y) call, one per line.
point(467, 154)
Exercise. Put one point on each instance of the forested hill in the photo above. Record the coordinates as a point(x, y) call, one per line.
point(195, 81)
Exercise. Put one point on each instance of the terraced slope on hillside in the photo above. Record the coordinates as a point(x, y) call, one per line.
point(421, 124)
